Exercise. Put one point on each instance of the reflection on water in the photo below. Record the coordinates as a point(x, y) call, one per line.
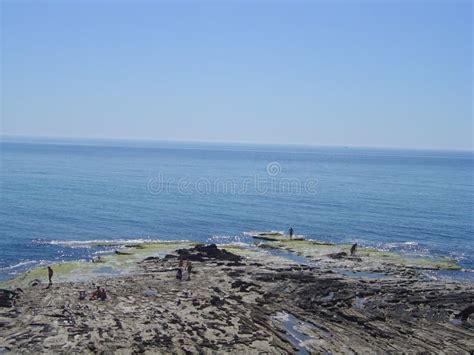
point(289, 256)
point(294, 334)
point(451, 275)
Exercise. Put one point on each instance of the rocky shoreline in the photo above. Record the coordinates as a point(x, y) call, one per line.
point(238, 301)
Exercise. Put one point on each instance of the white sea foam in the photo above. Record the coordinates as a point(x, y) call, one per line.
point(20, 265)
point(252, 233)
point(104, 242)
point(235, 244)
point(407, 247)
point(226, 239)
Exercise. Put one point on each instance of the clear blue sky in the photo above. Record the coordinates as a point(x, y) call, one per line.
point(380, 73)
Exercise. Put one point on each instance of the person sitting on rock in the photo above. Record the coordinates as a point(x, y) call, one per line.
point(102, 294)
point(353, 249)
point(95, 294)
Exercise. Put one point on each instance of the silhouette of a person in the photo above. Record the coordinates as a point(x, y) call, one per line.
point(50, 276)
point(353, 249)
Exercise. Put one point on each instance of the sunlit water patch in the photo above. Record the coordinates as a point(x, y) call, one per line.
point(302, 335)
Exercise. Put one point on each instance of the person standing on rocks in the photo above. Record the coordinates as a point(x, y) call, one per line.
point(290, 232)
point(189, 268)
point(353, 249)
point(50, 276)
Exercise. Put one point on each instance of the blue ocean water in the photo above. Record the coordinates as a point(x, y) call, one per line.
point(58, 194)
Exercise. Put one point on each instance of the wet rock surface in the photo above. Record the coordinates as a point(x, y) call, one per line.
point(236, 304)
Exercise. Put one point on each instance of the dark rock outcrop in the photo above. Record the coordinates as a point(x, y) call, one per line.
point(7, 298)
point(216, 301)
point(243, 286)
point(340, 255)
point(202, 253)
point(466, 312)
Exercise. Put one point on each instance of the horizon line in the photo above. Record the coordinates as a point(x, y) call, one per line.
point(173, 140)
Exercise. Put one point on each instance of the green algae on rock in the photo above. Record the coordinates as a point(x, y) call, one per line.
point(121, 263)
point(316, 250)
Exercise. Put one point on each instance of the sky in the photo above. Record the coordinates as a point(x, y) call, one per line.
point(344, 73)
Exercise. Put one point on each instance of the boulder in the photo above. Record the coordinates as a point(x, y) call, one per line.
point(7, 298)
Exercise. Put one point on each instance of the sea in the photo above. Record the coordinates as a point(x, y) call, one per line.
point(58, 197)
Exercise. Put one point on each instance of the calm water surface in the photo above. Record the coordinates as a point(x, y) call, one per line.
point(56, 195)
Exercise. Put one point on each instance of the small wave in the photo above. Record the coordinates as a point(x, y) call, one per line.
point(102, 252)
point(459, 256)
point(103, 242)
point(400, 244)
point(409, 247)
point(89, 243)
point(226, 239)
point(252, 233)
point(20, 265)
point(235, 244)
point(220, 237)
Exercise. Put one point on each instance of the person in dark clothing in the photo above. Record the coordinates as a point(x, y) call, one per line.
point(99, 294)
point(102, 294)
point(353, 249)
point(95, 294)
point(290, 232)
point(50, 276)
point(179, 274)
